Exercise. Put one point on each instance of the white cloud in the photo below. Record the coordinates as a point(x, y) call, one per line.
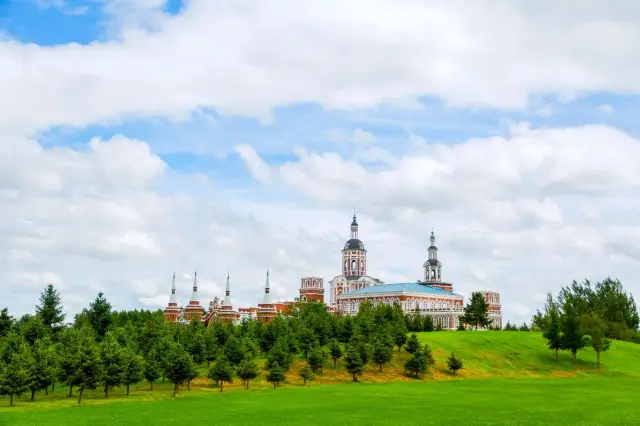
point(606, 108)
point(248, 57)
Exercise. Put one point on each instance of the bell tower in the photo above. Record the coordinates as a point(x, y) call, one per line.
point(432, 267)
point(354, 256)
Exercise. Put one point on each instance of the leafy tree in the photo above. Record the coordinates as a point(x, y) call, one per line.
point(89, 370)
point(399, 332)
point(6, 322)
point(40, 370)
point(221, 372)
point(382, 353)
point(306, 373)
point(14, 379)
point(50, 309)
point(67, 350)
point(552, 331)
point(178, 366)
point(454, 363)
point(114, 363)
point(276, 375)
point(193, 374)
point(335, 351)
point(596, 328)
point(476, 312)
point(279, 355)
point(353, 362)
point(34, 329)
point(133, 368)
point(247, 371)
point(151, 369)
point(573, 338)
point(99, 315)
point(211, 347)
point(234, 350)
point(413, 344)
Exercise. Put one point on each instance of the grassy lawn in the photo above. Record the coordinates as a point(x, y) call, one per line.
point(508, 378)
point(584, 401)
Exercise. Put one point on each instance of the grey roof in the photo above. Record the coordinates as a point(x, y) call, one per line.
point(354, 244)
point(433, 262)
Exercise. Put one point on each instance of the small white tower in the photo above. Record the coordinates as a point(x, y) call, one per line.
point(432, 267)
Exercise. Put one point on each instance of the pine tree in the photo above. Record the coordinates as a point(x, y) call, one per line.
point(276, 375)
point(15, 377)
point(335, 351)
point(40, 371)
point(414, 364)
point(382, 353)
point(221, 372)
point(476, 312)
point(454, 363)
point(596, 328)
point(89, 371)
point(306, 373)
point(279, 355)
point(573, 338)
point(413, 344)
point(114, 363)
point(234, 350)
point(553, 332)
point(427, 355)
point(399, 332)
point(151, 369)
point(178, 366)
point(100, 316)
point(50, 309)
point(6, 322)
point(316, 360)
point(133, 368)
point(247, 371)
point(353, 362)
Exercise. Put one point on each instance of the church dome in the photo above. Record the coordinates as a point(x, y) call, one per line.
point(354, 244)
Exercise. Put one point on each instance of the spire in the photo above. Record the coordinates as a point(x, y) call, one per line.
point(354, 226)
point(194, 294)
point(173, 300)
point(267, 295)
point(227, 293)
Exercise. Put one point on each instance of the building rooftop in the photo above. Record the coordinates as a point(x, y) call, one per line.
point(401, 287)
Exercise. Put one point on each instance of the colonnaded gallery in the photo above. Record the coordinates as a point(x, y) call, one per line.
point(428, 296)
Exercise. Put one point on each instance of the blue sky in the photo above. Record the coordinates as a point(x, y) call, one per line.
point(180, 91)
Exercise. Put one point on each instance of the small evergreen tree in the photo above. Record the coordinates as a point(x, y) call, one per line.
point(279, 355)
point(427, 323)
point(276, 375)
point(399, 332)
point(553, 333)
point(454, 363)
point(308, 341)
point(335, 351)
point(353, 362)
point(50, 309)
point(413, 344)
point(476, 312)
point(6, 322)
point(89, 371)
point(316, 360)
point(524, 327)
point(221, 372)
point(40, 371)
point(306, 373)
point(414, 365)
point(133, 371)
point(247, 371)
point(427, 356)
point(234, 350)
point(596, 328)
point(113, 360)
point(14, 379)
point(382, 354)
point(178, 367)
point(573, 338)
point(151, 369)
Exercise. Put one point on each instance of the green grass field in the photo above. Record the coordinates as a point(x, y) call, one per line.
point(508, 378)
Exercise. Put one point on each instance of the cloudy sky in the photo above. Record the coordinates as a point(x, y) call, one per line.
point(142, 136)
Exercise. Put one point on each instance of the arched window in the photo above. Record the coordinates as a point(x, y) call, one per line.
point(353, 265)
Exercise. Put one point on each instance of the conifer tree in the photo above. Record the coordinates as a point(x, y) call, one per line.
point(99, 315)
point(353, 362)
point(247, 371)
point(6, 322)
point(316, 360)
point(89, 370)
point(335, 351)
point(414, 365)
point(178, 367)
point(573, 338)
point(193, 374)
point(14, 380)
point(40, 371)
point(133, 368)
point(114, 363)
point(382, 354)
point(151, 369)
point(596, 328)
point(454, 363)
point(476, 312)
point(427, 356)
point(308, 340)
point(221, 372)
point(50, 309)
point(306, 373)
point(553, 331)
point(276, 375)
point(413, 344)
point(399, 332)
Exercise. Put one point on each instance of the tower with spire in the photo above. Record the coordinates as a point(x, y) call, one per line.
point(226, 313)
point(267, 310)
point(433, 267)
point(354, 255)
point(172, 311)
point(194, 309)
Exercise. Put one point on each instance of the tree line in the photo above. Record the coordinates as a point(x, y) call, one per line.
point(583, 315)
point(103, 349)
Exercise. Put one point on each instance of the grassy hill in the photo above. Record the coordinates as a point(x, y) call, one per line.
point(490, 360)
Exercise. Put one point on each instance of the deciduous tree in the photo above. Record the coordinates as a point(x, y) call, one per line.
point(247, 371)
point(335, 351)
point(353, 362)
point(221, 372)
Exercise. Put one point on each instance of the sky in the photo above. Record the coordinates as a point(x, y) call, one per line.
point(143, 137)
